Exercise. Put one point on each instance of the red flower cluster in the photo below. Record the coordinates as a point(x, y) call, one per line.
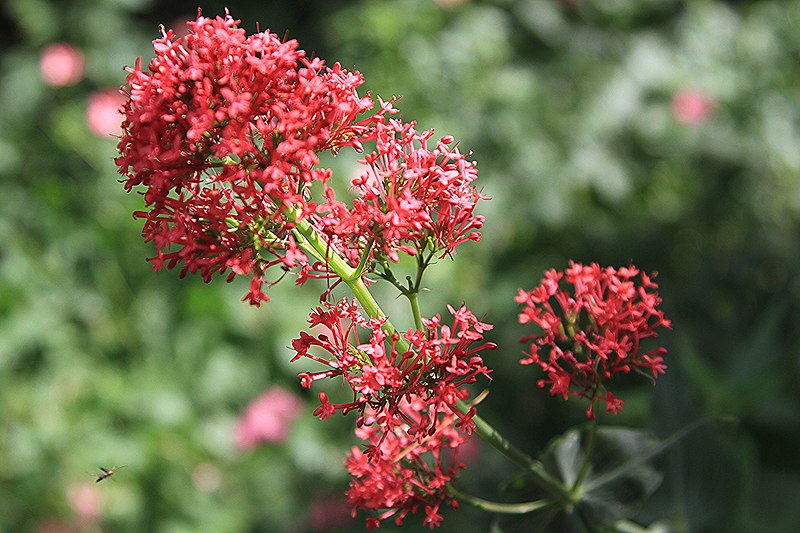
point(406, 474)
point(410, 197)
point(592, 330)
point(438, 362)
point(223, 131)
point(406, 399)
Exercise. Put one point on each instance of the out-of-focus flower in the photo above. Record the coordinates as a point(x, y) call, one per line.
point(691, 106)
point(439, 362)
point(103, 115)
point(61, 64)
point(592, 330)
point(268, 418)
point(85, 500)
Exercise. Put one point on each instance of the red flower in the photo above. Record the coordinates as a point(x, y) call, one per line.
point(410, 197)
point(592, 330)
point(223, 132)
point(405, 475)
point(439, 362)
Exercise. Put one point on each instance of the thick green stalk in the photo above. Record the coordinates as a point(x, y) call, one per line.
point(309, 240)
point(413, 299)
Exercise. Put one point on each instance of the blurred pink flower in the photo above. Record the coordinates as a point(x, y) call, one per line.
point(692, 106)
point(268, 418)
point(85, 500)
point(103, 114)
point(61, 64)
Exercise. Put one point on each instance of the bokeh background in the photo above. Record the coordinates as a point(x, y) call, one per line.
point(660, 132)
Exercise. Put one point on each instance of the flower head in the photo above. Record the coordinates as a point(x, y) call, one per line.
point(222, 131)
point(691, 107)
point(410, 196)
point(102, 113)
point(406, 475)
point(434, 364)
point(61, 64)
point(592, 329)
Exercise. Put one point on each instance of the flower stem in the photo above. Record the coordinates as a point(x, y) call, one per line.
point(587, 456)
point(311, 241)
point(533, 467)
point(413, 299)
point(499, 508)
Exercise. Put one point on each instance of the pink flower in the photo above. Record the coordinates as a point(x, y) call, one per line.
point(103, 115)
point(268, 418)
point(592, 330)
point(61, 64)
point(691, 107)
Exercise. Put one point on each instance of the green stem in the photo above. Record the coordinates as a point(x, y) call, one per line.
point(591, 431)
point(309, 240)
point(531, 466)
point(499, 508)
point(413, 299)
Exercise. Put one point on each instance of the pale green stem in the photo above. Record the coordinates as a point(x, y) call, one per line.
point(413, 299)
point(499, 508)
point(309, 240)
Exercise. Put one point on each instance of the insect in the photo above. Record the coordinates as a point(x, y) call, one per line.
point(107, 472)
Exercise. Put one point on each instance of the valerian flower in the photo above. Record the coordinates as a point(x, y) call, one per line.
point(592, 330)
point(411, 196)
point(439, 361)
point(405, 475)
point(223, 131)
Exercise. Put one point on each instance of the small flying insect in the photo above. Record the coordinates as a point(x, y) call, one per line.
point(107, 472)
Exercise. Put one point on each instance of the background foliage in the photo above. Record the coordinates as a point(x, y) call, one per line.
point(570, 109)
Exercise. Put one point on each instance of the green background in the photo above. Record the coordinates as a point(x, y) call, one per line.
point(567, 108)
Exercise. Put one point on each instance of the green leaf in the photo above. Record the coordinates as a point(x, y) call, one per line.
point(620, 475)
